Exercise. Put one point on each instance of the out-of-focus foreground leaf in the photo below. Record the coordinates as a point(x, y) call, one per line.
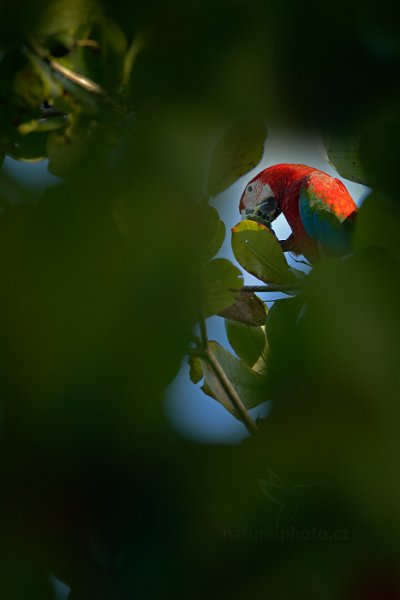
point(377, 225)
point(214, 232)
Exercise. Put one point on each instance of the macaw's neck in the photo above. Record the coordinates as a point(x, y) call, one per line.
point(286, 180)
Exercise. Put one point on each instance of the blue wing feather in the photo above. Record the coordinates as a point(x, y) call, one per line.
point(322, 223)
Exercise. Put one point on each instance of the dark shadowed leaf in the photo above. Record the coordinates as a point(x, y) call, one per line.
point(281, 319)
point(378, 224)
point(220, 278)
point(238, 151)
point(247, 309)
point(258, 251)
point(379, 156)
point(67, 15)
point(29, 147)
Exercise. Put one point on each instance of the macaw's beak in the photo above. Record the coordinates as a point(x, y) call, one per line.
point(265, 212)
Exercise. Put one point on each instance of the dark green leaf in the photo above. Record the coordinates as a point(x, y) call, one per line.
point(281, 319)
point(379, 156)
point(29, 147)
point(378, 224)
point(67, 15)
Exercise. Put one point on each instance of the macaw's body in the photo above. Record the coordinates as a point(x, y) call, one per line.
point(317, 207)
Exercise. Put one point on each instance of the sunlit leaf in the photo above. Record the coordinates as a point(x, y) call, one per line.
point(258, 251)
point(237, 153)
point(247, 383)
point(220, 280)
point(247, 341)
point(195, 369)
point(247, 309)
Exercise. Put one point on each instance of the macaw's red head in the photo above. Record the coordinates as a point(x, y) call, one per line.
point(259, 200)
point(264, 195)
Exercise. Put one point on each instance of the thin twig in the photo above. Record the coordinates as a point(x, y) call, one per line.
point(230, 391)
point(272, 287)
point(203, 345)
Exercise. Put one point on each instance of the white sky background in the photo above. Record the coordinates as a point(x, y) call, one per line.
point(191, 412)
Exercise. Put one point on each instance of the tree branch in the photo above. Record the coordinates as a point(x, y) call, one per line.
point(272, 287)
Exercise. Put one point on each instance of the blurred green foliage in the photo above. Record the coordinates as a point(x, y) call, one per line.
point(100, 293)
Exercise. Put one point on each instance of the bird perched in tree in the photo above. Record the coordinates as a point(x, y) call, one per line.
point(317, 207)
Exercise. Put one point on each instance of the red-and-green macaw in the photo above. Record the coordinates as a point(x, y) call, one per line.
point(317, 207)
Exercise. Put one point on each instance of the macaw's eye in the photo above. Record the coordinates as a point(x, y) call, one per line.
point(250, 188)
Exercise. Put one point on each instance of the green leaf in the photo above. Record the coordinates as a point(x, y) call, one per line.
point(195, 369)
point(237, 153)
point(248, 342)
point(67, 15)
point(220, 277)
point(67, 146)
point(247, 383)
point(64, 153)
point(97, 52)
point(343, 155)
point(378, 224)
point(31, 147)
point(247, 309)
point(105, 65)
point(258, 251)
point(42, 125)
point(215, 232)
